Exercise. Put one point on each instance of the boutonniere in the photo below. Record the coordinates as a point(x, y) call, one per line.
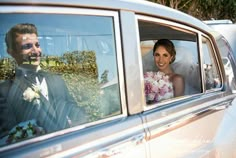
point(32, 94)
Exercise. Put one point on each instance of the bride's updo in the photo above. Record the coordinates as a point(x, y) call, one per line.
point(169, 46)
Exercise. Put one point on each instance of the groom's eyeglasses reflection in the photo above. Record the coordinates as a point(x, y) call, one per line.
point(29, 46)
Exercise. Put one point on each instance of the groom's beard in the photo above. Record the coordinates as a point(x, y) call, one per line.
point(33, 58)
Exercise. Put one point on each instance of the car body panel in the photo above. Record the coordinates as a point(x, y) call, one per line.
point(133, 70)
point(112, 138)
point(185, 132)
point(194, 125)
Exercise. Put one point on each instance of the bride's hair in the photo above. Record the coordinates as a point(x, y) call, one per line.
point(169, 46)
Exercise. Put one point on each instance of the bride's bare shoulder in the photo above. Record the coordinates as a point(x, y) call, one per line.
point(177, 78)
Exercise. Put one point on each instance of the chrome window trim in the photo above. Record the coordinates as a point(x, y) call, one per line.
point(132, 63)
point(120, 75)
point(168, 102)
point(181, 27)
point(55, 10)
point(216, 62)
point(200, 52)
point(143, 99)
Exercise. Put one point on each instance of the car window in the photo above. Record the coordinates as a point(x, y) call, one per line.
point(79, 75)
point(228, 60)
point(186, 62)
point(212, 76)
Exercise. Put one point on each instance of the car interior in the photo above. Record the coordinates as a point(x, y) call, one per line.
point(186, 62)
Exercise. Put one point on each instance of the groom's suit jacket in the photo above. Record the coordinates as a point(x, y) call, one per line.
point(58, 112)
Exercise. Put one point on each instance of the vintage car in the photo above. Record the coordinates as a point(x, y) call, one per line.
point(101, 50)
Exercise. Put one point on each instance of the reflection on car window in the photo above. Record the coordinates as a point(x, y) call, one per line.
point(185, 64)
point(228, 60)
point(62, 76)
point(212, 76)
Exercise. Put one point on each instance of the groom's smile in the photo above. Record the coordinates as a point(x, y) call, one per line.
point(28, 49)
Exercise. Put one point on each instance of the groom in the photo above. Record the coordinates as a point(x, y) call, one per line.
point(34, 94)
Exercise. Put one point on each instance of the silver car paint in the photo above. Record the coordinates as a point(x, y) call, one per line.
point(200, 126)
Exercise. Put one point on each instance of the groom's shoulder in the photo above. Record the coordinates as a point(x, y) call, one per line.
point(4, 87)
point(53, 76)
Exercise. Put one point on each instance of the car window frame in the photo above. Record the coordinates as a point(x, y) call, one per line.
point(215, 59)
point(230, 56)
point(120, 68)
point(180, 27)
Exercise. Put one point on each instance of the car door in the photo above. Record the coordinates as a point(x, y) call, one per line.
point(186, 126)
point(83, 46)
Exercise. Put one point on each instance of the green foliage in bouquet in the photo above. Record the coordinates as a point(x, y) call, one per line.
point(24, 130)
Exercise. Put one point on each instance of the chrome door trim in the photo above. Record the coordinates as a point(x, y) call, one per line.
point(112, 150)
point(171, 122)
point(113, 147)
point(116, 134)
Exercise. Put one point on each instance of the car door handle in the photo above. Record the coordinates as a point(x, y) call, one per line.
point(222, 106)
point(122, 148)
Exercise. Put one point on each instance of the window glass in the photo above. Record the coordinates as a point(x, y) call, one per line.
point(212, 76)
point(62, 77)
point(228, 60)
point(178, 74)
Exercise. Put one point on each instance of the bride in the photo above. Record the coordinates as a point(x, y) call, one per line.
point(165, 83)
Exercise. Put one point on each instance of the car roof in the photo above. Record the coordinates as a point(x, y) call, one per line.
point(138, 6)
point(218, 22)
point(228, 31)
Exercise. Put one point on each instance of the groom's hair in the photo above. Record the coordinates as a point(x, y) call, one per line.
point(12, 34)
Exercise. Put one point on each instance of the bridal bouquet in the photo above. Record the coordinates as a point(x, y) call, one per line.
point(157, 87)
point(24, 130)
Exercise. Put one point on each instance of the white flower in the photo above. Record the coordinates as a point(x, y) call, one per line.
point(31, 94)
point(151, 96)
point(29, 133)
point(18, 134)
point(168, 95)
point(157, 86)
point(161, 83)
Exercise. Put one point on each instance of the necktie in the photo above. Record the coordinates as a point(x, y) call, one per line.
point(32, 76)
